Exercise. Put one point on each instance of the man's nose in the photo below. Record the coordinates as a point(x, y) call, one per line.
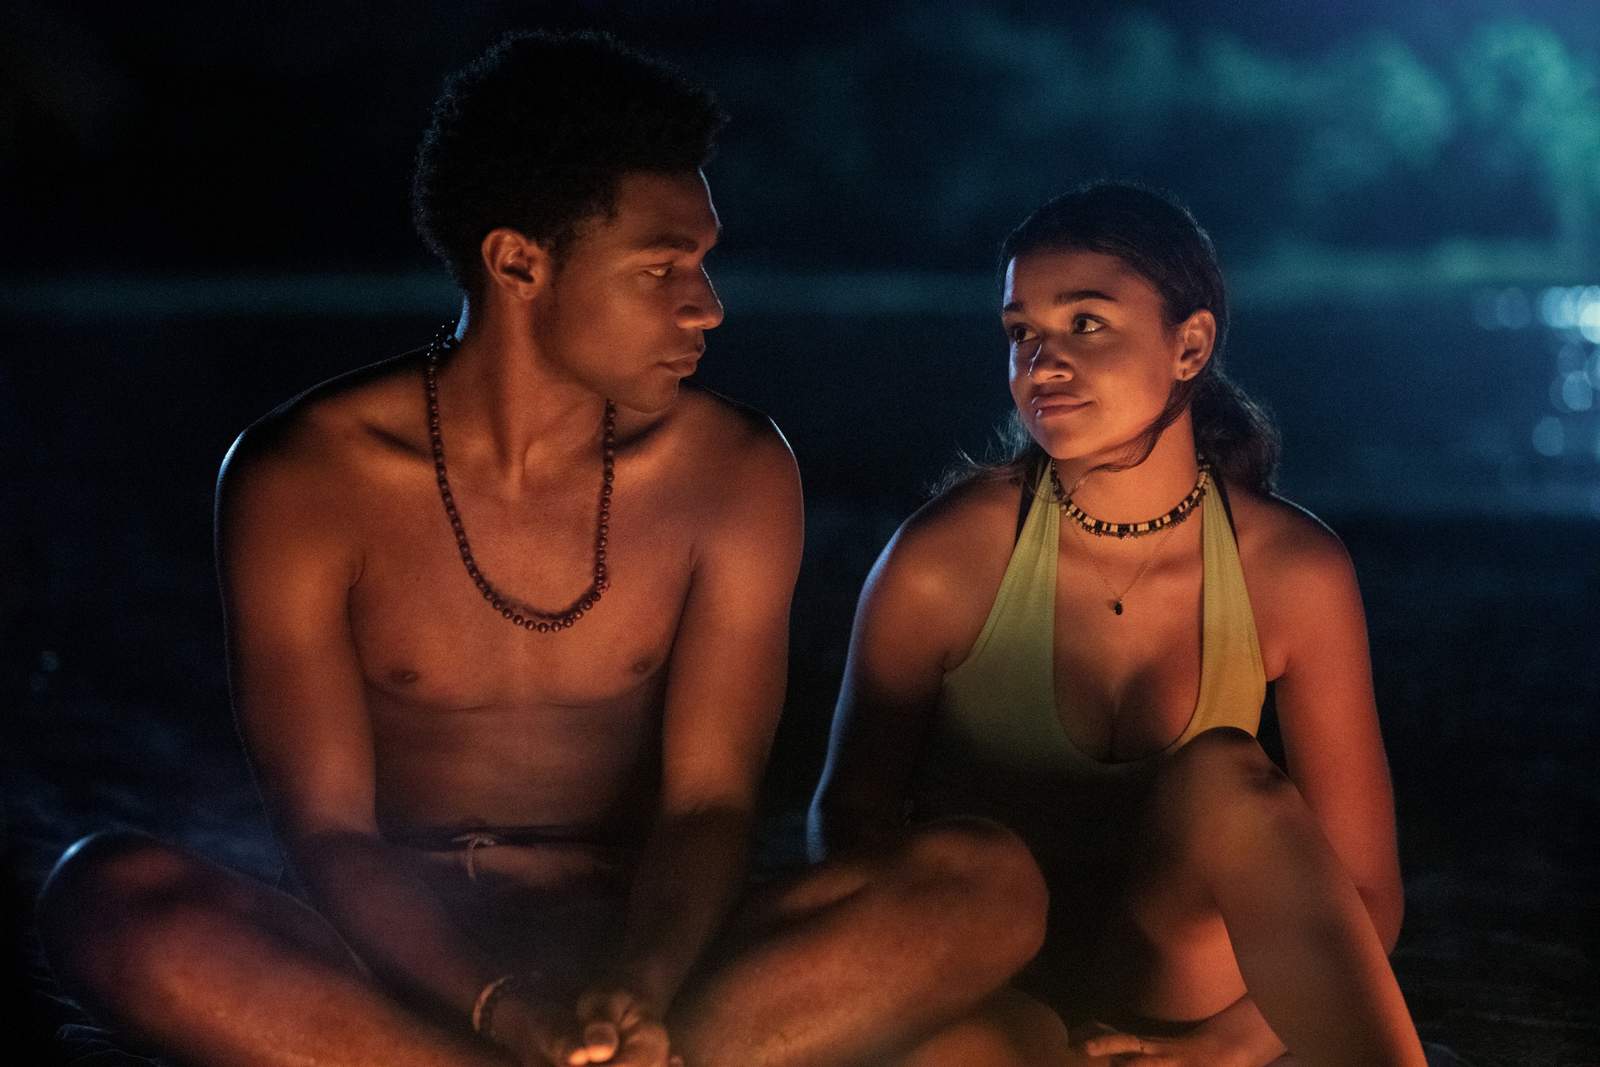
point(702, 310)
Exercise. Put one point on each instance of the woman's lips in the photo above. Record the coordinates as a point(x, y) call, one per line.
point(1057, 404)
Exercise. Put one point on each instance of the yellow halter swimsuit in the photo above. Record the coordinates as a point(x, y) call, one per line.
point(997, 746)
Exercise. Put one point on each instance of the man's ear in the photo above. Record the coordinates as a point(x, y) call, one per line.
point(514, 263)
point(1197, 336)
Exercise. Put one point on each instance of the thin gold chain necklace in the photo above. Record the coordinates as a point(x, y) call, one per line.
point(514, 612)
point(1164, 524)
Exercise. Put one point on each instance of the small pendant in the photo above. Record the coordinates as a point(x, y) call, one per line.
point(1116, 606)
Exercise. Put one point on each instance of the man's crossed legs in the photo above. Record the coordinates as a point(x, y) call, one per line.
point(855, 961)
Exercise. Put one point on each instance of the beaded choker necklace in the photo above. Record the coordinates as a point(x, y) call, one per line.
point(514, 612)
point(1101, 528)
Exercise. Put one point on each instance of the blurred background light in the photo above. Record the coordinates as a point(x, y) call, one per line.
point(1576, 392)
point(1589, 317)
point(1558, 308)
point(1511, 310)
point(1549, 437)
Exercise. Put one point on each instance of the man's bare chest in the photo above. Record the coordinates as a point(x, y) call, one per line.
point(425, 635)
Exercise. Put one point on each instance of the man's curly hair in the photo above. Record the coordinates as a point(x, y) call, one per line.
point(535, 133)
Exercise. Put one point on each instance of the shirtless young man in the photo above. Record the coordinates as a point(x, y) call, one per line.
point(509, 712)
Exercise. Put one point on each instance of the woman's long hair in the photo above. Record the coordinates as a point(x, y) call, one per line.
point(1156, 237)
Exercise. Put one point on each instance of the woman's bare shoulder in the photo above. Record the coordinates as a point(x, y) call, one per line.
point(1300, 576)
point(1284, 537)
point(954, 547)
point(970, 519)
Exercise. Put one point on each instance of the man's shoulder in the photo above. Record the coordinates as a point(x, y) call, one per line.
point(721, 423)
point(336, 427)
point(372, 405)
point(728, 471)
point(727, 444)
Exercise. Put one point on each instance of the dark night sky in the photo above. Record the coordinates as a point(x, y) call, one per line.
point(237, 136)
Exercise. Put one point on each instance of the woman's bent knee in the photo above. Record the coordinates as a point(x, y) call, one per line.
point(1219, 746)
point(1216, 766)
point(1220, 782)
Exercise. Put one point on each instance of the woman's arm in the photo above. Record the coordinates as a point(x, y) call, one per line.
point(1329, 718)
point(920, 610)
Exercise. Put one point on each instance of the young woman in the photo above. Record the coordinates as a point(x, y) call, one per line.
point(1077, 643)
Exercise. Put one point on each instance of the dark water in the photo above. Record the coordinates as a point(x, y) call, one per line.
point(1407, 429)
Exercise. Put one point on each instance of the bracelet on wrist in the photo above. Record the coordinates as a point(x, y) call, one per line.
point(488, 997)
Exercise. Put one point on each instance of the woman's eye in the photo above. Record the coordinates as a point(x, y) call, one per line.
point(659, 272)
point(1086, 324)
point(1018, 333)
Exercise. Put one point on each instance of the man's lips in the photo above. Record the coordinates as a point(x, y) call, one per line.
point(684, 364)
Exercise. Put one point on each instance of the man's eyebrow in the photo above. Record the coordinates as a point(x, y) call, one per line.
point(1067, 296)
point(674, 240)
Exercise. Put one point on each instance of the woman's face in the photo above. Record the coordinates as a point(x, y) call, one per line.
point(1092, 357)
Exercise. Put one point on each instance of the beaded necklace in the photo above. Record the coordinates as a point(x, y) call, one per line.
point(1101, 528)
point(520, 615)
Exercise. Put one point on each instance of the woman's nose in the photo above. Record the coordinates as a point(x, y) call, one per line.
point(1049, 361)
